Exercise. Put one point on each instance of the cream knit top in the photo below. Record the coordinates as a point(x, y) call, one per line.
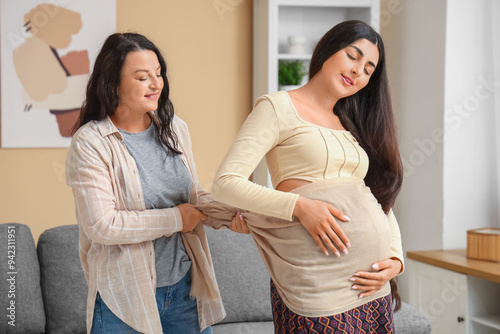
point(293, 148)
point(335, 163)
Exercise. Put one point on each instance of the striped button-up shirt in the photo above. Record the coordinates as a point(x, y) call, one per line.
point(116, 230)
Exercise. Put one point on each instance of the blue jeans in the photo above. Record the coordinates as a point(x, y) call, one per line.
point(178, 312)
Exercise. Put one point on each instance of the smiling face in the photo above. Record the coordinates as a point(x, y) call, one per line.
point(349, 70)
point(140, 84)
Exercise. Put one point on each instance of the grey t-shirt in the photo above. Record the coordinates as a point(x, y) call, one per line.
point(166, 183)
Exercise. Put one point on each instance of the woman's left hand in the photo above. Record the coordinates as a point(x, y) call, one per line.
point(239, 224)
point(370, 282)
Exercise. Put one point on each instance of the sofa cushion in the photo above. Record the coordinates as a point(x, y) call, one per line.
point(63, 284)
point(20, 294)
point(261, 327)
point(242, 276)
point(409, 320)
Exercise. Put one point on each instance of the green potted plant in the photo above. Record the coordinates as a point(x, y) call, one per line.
point(290, 74)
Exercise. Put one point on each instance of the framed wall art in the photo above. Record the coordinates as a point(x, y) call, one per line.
point(47, 52)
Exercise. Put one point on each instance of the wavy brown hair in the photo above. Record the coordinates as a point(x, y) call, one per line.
point(368, 115)
point(102, 88)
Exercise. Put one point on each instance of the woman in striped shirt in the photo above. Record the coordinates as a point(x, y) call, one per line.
point(131, 168)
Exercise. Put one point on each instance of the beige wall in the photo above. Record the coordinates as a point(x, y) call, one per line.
point(208, 46)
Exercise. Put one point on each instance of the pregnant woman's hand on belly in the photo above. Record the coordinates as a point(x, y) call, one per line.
point(371, 282)
point(317, 217)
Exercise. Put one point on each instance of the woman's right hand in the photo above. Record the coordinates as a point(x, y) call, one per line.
point(318, 219)
point(190, 217)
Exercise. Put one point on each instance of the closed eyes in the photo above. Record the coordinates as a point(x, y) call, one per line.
point(353, 58)
point(146, 78)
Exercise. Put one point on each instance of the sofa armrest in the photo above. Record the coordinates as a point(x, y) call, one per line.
point(20, 293)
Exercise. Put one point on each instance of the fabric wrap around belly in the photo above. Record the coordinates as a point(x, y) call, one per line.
point(310, 282)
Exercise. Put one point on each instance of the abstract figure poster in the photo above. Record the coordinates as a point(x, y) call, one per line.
point(47, 52)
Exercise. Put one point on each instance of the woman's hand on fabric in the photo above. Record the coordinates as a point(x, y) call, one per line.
point(190, 217)
point(317, 217)
point(239, 224)
point(370, 282)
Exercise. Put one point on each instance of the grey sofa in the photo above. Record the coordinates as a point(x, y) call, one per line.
point(46, 286)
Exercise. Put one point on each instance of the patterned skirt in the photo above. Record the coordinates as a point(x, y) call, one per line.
point(372, 317)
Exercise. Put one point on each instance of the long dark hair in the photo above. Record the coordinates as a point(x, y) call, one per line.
point(368, 115)
point(102, 88)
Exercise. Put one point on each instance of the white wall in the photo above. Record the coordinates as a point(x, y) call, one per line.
point(437, 54)
point(470, 187)
point(496, 55)
point(414, 37)
point(415, 58)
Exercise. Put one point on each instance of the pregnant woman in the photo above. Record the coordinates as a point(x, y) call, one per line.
point(333, 157)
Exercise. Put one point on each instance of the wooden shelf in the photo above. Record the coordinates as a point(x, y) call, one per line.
point(326, 3)
point(284, 56)
point(491, 321)
point(456, 260)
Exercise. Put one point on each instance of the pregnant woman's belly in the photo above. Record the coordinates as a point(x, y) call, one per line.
point(310, 282)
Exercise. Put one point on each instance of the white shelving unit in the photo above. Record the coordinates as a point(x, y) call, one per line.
point(484, 306)
point(492, 322)
point(275, 20)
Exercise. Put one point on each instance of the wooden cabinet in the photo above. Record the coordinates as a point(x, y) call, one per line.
point(458, 295)
point(441, 295)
